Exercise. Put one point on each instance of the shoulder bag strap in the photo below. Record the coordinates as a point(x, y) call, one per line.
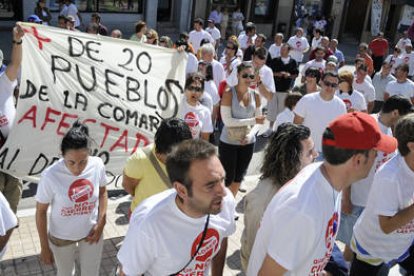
point(157, 167)
point(198, 247)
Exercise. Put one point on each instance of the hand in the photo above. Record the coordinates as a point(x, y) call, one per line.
point(245, 140)
point(46, 256)
point(180, 49)
point(18, 32)
point(346, 207)
point(260, 119)
point(95, 233)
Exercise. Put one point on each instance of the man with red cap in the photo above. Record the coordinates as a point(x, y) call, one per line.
point(297, 232)
point(384, 233)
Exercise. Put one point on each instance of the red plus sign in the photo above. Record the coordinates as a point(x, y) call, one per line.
point(40, 39)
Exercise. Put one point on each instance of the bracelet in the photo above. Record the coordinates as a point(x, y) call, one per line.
point(17, 42)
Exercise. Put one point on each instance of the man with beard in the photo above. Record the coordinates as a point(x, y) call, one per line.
point(183, 230)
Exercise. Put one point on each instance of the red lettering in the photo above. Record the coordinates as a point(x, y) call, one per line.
point(49, 110)
point(30, 115)
point(140, 138)
point(199, 266)
point(122, 142)
point(63, 124)
point(107, 129)
point(86, 121)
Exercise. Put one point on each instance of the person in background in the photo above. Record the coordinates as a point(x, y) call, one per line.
point(8, 222)
point(70, 9)
point(318, 62)
point(198, 34)
point(75, 189)
point(240, 110)
point(316, 40)
point(247, 38)
point(71, 24)
point(224, 22)
point(291, 149)
point(43, 12)
point(274, 49)
point(325, 42)
point(208, 53)
point(363, 53)
point(140, 31)
point(312, 78)
point(62, 22)
point(34, 19)
point(92, 28)
point(96, 18)
point(402, 85)
point(152, 37)
point(379, 50)
point(165, 41)
point(215, 16)
point(394, 59)
point(380, 81)
point(230, 62)
point(362, 85)
point(144, 172)
point(403, 41)
point(116, 33)
point(259, 42)
point(237, 21)
point(299, 45)
point(353, 99)
point(210, 88)
point(287, 115)
point(338, 53)
point(214, 32)
point(408, 58)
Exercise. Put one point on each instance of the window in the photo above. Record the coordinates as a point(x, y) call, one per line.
point(7, 9)
point(263, 11)
point(103, 6)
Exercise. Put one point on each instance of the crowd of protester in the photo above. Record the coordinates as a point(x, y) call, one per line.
point(339, 162)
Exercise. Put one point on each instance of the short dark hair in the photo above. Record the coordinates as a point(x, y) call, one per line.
point(139, 26)
point(194, 77)
point(314, 71)
point(260, 52)
point(262, 36)
point(404, 132)
point(76, 138)
point(181, 157)
point(292, 99)
point(363, 67)
point(244, 65)
point(171, 132)
point(63, 17)
point(397, 102)
point(337, 156)
point(284, 152)
point(250, 26)
point(97, 16)
point(319, 31)
point(199, 21)
point(404, 67)
point(320, 48)
point(330, 74)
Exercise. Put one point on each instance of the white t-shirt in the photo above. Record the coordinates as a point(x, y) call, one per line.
point(198, 118)
point(192, 64)
point(355, 101)
point(161, 238)
point(74, 200)
point(299, 45)
point(299, 226)
point(231, 78)
point(365, 88)
point(274, 50)
point(286, 116)
point(409, 59)
point(8, 219)
point(7, 108)
point(402, 42)
point(318, 113)
point(316, 42)
point(243, 39)
point(71, 10)
point(394, 62)
point(196, 37)
point(207, 101)
point(313, 63)
point(405, 89)
point(218, 72)
point(210, 88)
point(266, 76)
point(214, 32)
point(361, 188)
point(392, 191)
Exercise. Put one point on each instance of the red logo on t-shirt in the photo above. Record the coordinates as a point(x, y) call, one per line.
point(80, 190)
point(209, 247)
point(331, 230)
point(407, 59)
point(191, 119)
point(298, 44)
point(348, 104)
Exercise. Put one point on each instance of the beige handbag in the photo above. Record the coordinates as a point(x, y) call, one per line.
point(237, 134)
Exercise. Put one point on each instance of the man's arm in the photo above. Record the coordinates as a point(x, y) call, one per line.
point(16, 54)
point(390, 224)
point(271, 268)
point(370, 106)
point(298, 120)
point(219, 260)
point(129, 184)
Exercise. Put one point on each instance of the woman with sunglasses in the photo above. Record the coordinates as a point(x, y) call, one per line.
point(240, 111)
point(230, 62)
point(74, 188)
point(312, 78)
point(196, 115)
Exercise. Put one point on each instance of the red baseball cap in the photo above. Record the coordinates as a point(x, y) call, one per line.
point(359, 131)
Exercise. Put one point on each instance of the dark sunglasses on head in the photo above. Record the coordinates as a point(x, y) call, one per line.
point(330, 84)
point(195, 89)
point(245, 76)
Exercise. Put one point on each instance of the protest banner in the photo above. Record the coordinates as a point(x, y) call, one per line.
point(121, 89)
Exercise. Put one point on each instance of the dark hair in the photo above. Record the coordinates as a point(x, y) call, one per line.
point(182, 42)
point(397, 102)
point(262, 36)
point(181, 157)
point(244, 65)
point(330, 74)
point(97, 16)
point(284, 152)
point(359, 60)
point(199, 20)
point(194, 77)
point(404, 132)
point(403, 67)
point(139, 26)
point(319, 31)
point(319, 48)
point(209, 70)
point(250, 26)
point(171, 132)
point(63, 17)
point(284, 44)
point(260, 52)
point(76, 138)
point(337, 156)
point(204, 41)
point(362, 67)
point(292, 99)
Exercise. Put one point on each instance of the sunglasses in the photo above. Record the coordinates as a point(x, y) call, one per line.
point(245, 76)
point(229, 47)
point(330, 84)
point(196, 89)
point(261, 57)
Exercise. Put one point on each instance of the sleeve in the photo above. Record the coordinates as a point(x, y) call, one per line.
point(371, 93)
point(362, 103)
point(8, 219)
point(301, 107)
point(305, 67)
point(134, 166)
point(383, 196)
point(214, 93)
point(44, 193)
point(286, 251)
point(137, 252)
point(207, 126)
point(268, 80)
point(103, 181)
point(228, 212)
point(388, 88)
